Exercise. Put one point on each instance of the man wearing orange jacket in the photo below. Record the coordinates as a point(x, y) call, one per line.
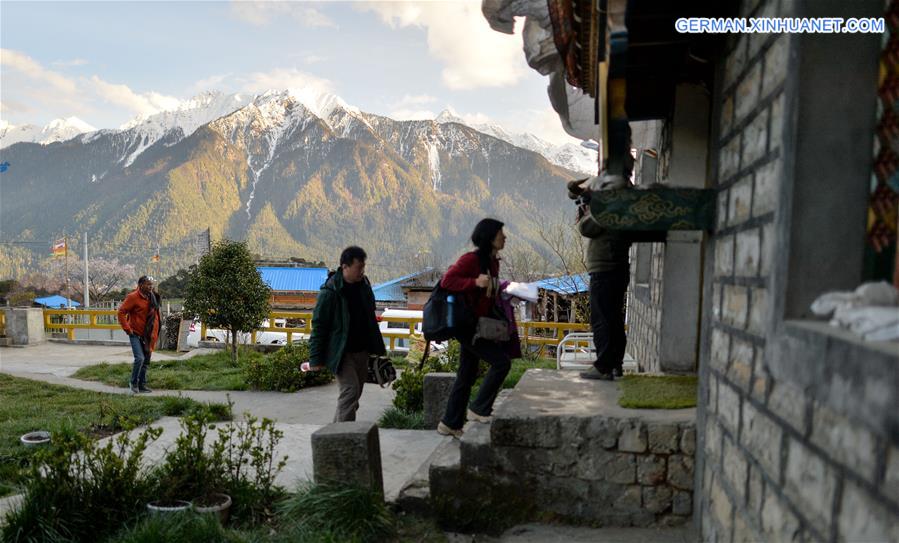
point(139, 317)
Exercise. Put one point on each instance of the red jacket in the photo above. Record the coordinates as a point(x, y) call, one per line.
point(133, 316)
point(460, 277)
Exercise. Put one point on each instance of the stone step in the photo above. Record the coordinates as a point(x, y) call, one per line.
point(414, 495)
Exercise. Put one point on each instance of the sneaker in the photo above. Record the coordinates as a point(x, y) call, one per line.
point(144, 389)
point(445, 430)
point(486, 419)
point(597, 375)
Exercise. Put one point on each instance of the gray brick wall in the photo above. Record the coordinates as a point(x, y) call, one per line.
point(777, 461)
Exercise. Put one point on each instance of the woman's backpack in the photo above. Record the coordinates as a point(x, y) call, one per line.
point(446, 316)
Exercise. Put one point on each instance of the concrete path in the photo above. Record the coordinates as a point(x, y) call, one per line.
point(56, 362)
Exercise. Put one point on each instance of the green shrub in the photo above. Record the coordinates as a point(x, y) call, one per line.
point(409, 389)
point(281, 370)
point(346, 512)
point(393, 417)
point(179, 528)
point(189, 470)
point(79, 491)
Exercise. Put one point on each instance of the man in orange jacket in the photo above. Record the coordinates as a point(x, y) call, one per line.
point(139, 317)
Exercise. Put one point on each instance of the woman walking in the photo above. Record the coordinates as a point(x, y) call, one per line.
point(475, 277)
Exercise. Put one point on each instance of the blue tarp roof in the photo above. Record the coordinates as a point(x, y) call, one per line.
point(392, 291)
point(55, 301)
point(566, 284)
point(308, 279)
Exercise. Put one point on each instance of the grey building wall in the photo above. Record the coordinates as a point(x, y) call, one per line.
point(798, 423)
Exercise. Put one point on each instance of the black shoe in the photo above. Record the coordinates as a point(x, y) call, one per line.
point(618, 372)
point(597, 375)
point(133, 388)
point(143, 389)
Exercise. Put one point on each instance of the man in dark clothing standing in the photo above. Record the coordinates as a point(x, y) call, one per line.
point(139, 317)
point(345, 331)
point(609, 267)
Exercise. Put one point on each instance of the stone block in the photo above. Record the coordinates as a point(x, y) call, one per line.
point(657, 499)
point(754, 497)
point(632, 437)
point(723, 199)
point(25, 325)
point(729, 407)
point(721, 508)
point(758, 311)
point(809, 483)
point(651, 469)
point(891, 477)
point(680, 471)
point(767, 187)
point(755, 139)
point(736, 305)
point(777, 124)
point(761, 437)
point(729, 164)
point(788, 402)
point(747, 253)
point(849, 442)
point(741, 358)
point(724, 255)
point(663, 438)
point(602, 432)
point(720, 354)
point(746, 97)
point(864, 518)
point(776, 59)
point(778, 523)
point(614, 467)
point(767, 255)
point(563, 496)
point(740, 207)
point(736, 61)
point(682, 503)
point(727, 115)
point(348, 453)
point(735, 469)
point(525, 431)
point(688, 440)
point(435, 392)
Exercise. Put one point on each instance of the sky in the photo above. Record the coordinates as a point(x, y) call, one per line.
point(107, 62)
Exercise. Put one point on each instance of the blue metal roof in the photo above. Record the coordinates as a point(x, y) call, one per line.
point(566, 284)
point(307, 279)
point(54, 301)
point(392, 291)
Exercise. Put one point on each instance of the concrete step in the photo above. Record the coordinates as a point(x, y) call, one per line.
point(414, 495)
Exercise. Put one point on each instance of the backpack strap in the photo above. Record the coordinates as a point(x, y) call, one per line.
point(424, 355)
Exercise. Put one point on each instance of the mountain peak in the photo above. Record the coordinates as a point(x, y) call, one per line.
point(449, 116)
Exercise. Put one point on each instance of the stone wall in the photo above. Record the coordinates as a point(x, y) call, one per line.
point(560, 447)
point(644, 306)
point(798, 423)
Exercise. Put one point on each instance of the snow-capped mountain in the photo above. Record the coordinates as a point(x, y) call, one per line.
point(55, 130)
point(569, 155)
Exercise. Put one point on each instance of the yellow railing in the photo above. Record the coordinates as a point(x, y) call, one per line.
point(2, 323)
point(68, 320)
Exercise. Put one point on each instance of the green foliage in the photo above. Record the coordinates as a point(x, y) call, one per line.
point(281, 370)
point(179, 528)
point(658, 392)
point(394, 417)
point(408, 386)
point(226, 291)
point(175, 286)
point(80, 491)
point(189, 470)
point(214, 371)
point(26, 406)
point(345, 512)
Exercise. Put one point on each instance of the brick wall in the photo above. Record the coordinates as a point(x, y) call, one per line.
point(644, 308)
point(785, 455)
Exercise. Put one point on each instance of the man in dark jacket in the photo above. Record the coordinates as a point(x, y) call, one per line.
point(345, 331)
point(607, 262)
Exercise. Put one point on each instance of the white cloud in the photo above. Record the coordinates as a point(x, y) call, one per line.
point(69, 63)
point(411, 114)
point(146, 103)
point(473, 55)
point(261, 13)
point(413, 100)
point(211, 83)
point(33, 70)
point(283, 78)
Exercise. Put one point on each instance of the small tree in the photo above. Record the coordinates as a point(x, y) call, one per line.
point(227, 292)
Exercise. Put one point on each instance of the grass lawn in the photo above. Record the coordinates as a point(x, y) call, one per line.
point(205, 372)
point(658, 392)
point(26, 406)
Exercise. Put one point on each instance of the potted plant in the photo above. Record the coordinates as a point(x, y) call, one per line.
point(191, 476)
point(33, 439)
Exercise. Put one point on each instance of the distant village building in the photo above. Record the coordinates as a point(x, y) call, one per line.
point(293, 287)
point(407, 292)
